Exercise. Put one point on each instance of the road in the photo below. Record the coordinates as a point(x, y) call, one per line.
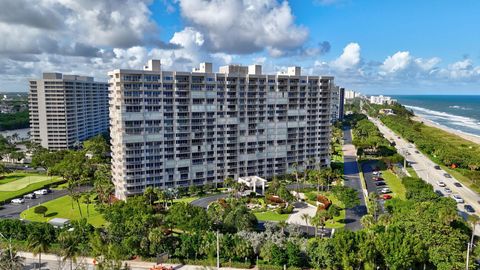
point(205, 201)
point(13, 210)
point(424, 167)
point(352, 179)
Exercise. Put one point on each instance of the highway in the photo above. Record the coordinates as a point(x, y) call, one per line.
point(424, 167)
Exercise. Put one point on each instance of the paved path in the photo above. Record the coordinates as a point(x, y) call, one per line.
point(424, 167)
point(352, 179)
point(54, 262)
point(300, 209)
point(205, 201)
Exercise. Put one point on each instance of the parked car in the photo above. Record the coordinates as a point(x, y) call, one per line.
point(386, 196)
point(41, 192)
point(457, 198)
point(416, 152)
point(380, 183)
point(447, 190)
point(447, 175)
point(469, 208)
point(18, 201)
point(385, 190)
point(377, 173)
point(436, 167)
point(30, 196)
point(377, 178)
point(439, 193)
point(457, 184)
point(441, 184)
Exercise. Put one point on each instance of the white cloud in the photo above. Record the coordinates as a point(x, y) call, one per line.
point(397, 62)
point(349, 59)
point(427, 64)
point(245, 26)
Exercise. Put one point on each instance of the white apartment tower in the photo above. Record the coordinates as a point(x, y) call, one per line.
point(175, 128)
point(66, 109)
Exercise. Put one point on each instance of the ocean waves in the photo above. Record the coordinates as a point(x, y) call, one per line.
point(460, 123)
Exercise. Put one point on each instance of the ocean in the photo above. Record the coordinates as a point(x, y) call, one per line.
point(460, 113)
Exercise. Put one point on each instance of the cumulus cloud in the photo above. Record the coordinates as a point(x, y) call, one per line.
point(349, 59)
point(398, 61)
point(245, 26)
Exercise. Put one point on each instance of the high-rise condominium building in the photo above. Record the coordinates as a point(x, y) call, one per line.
point(66, 109)
point(175, 128)
point(337, 110)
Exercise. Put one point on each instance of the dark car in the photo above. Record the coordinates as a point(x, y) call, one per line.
point(436, 167)
point(447, 175)
point(376, 178)
point(439, 192)
point(469, 208)
point(416, 152)
point(457, 184)
point(380, 183)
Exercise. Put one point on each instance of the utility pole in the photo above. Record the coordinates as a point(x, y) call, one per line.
point(218, 250)
point(468, 255)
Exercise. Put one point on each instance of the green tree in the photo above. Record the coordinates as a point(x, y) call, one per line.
point(41, 210)
point(347, 195)
point(10, 260)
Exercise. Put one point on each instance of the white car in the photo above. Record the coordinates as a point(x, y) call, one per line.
point(377, 173)
point(385, 190)
point(18, 201)
point(457, 198)
point(441, 184)
point(41, 192)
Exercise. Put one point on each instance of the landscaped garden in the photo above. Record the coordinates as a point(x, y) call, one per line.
point(65, 207)
point(16, 184)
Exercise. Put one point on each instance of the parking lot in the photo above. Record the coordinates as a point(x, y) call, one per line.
point(373, 185)
point(11, 210)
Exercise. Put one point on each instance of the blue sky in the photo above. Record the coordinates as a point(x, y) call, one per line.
point(389, 47)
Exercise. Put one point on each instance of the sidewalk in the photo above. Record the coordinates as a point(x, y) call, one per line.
point(54, 262)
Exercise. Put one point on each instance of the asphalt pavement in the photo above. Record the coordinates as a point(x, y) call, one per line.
point(424, 167)
point(10, 210)
point(205, 201)
point(352, 179)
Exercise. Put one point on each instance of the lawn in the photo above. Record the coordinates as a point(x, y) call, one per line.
point(412, 172)
point(17, 184)
point(336, 222)
point(395, 184)
point(23, 181)
point(271, 216)
point(186, 199)
point(62, 208)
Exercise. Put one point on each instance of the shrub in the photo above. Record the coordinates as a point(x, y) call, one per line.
point(324, 202)
point(41, 210)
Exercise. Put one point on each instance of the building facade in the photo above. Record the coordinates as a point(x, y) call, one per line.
point(173, 128)
point(380, 100)
point(66, 110)
point(338, 102)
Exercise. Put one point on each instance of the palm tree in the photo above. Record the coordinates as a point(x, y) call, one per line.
point(69, 245)
point(9, 260)
point(306, 218)
point(473, 220)
point(323, 216)
point(316, 222)
point(282, 224)
point(39, 244)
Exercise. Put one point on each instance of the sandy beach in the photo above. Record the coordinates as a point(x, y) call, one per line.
point(466, 136)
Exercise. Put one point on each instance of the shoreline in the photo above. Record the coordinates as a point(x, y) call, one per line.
point(466, 136)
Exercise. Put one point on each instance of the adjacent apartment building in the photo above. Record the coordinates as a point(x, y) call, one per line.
point(177, 128)
point(338, 102)
point(66, 109)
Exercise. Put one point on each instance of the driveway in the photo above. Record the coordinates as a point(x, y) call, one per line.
point(205, 201)
point(352, 179)
point(300, 209)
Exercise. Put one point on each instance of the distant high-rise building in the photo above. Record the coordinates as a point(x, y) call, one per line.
point(66, 109)
point(338, 102)
point(382, 100)
point(175, 128)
